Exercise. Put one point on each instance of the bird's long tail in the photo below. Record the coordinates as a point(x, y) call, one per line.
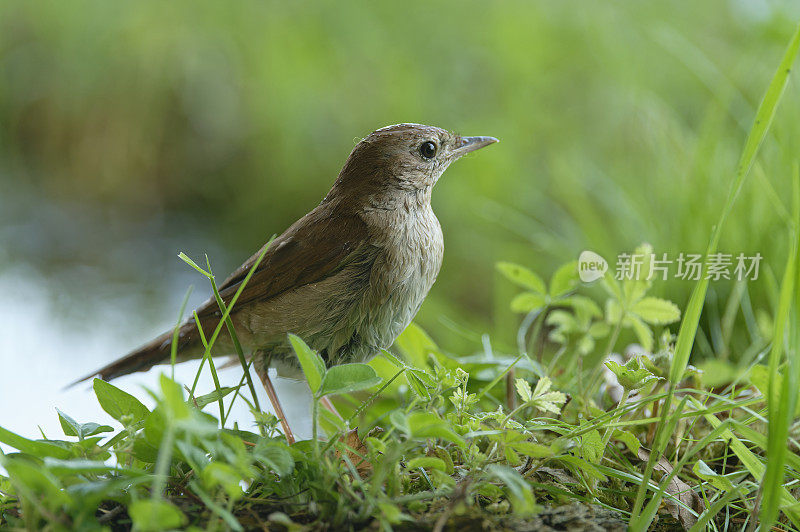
point(154, 352)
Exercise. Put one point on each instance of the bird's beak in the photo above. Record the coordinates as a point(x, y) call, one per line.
point(467, 144)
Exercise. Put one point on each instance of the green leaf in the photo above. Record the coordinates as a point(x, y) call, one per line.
point(312, 364)
point(424, 377)
point(488, 490)
point(212, 397)
point(399, 420)
point(35, 479)
point(430, 462)
point(211, 504)
point(564, 321)
point(81, 430)
point(564, 280)
point(35, 447)
point(330, 422)
point(635, 289)
point(613, 311)
point(511, 456)
point(579, 464)
point(704, 472)
point(396, 362)
point(583, 305)
point(375, 445)
point(520, 492)
point(633, 375)
point(143, 451)
point(599, 329)
point(392, 513)
point(218, 474)
point(759, 377)
point(629, 439)
point(544, 399)
point(463, 400)
point(148, 514)
point(155, 425)
point(172, 393)
point(612, 287)
point(715, 373)
point(527, 301)
point(416, 345)
point(120, 405)
point(428, 425)
point(657, 311)
point(585, 344)
point(522, 276)
point(532, 449)
point(276, 456)
point(346, 378)
point(523, 389)
point(642, 331)
point(592, 446)
point(417, 385)
point(80, 465)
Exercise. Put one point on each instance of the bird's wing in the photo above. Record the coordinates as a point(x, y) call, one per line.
point(313, 248)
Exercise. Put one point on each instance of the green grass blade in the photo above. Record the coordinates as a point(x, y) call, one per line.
point(237, 346)
point(652, 507)
point(715, 508)
point(752, 463)
point(763, 119)
point(212, 368)
point(236, 393)
point(781, 401)
point(497, 379)
point(185, 258)
point(174, 347)
point(226, 311)
point(688, 329)
point(206, 354)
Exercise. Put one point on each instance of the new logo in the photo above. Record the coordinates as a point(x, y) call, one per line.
point(591, 266)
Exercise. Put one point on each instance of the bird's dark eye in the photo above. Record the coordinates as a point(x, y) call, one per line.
point(427, 150)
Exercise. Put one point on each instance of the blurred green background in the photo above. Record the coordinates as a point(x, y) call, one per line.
point(133, 130)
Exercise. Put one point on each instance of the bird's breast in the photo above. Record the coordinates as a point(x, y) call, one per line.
point(404, 271)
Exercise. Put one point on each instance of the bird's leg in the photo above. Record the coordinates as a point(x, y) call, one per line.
point(276, 404)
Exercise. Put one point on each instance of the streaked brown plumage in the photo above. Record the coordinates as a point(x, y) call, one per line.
point(347, 277)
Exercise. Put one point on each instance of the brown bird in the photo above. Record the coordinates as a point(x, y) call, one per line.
point(347, 277)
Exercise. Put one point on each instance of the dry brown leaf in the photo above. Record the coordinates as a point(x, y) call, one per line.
point(678, 489)
point(561, 475)
point(357, 450)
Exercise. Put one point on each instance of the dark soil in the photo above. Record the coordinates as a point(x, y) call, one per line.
point(575, 517)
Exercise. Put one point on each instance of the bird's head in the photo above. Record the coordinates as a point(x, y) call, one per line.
point(403, 158)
